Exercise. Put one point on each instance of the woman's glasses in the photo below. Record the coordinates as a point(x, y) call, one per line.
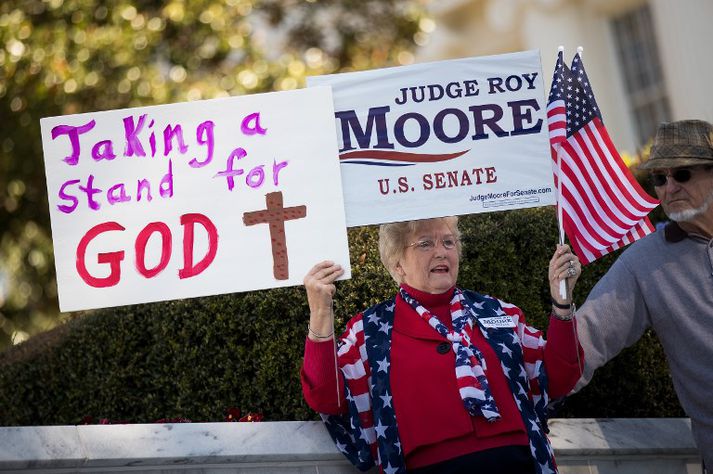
point(680, 175)
point(426, 245)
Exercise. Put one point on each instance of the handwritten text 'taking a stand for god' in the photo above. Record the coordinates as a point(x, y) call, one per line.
point(140, 139)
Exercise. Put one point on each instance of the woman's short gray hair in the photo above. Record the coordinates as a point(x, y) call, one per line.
point(393, 236)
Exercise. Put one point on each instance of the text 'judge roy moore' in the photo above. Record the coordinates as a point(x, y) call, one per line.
point(450, 125)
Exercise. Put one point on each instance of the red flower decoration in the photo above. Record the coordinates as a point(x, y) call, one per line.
point(252, 417)
point(233, 414)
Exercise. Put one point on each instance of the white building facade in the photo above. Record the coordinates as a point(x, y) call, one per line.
point(648, 60)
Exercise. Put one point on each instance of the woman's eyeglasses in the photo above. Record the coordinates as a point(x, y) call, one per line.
point(680, 175)
point(426, 245)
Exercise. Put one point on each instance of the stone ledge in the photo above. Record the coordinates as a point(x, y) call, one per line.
point(621, 436)
point(634, 445)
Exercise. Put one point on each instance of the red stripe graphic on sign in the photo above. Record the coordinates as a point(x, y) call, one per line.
point(400, 156)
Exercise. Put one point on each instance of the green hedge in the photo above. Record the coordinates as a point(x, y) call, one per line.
point(196, 358)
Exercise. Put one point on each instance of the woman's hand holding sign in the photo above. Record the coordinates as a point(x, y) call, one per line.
point(320, 287)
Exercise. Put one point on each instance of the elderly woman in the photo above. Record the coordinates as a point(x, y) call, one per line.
point(439, 379)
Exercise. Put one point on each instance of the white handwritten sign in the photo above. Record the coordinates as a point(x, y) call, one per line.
point(193, 199)
point(444, 138)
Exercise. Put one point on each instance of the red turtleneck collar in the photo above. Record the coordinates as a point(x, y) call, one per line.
point(409, 322)
point(430, 299)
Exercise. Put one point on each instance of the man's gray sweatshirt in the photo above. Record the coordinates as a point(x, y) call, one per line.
point(663, 281)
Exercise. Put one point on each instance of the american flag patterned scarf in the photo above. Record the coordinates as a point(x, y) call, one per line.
point(470, 363)
point(368, 434)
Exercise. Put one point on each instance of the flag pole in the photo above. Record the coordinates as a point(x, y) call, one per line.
point(336, 363)
point(580, 366)
point(563, 283)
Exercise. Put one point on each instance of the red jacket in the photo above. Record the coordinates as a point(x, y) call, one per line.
point(433, 424)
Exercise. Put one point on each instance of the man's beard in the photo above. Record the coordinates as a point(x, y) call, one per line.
point(690, 214)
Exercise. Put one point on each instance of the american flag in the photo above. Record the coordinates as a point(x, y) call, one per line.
point(603, 206)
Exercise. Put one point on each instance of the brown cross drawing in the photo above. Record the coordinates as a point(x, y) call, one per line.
point(276, 215)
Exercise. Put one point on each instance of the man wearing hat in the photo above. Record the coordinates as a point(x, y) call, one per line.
point(665, 280)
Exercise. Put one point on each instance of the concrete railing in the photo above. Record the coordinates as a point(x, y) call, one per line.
point(600, 446)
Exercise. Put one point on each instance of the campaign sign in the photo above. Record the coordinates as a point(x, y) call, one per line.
point(193, 199)
point(444, 138)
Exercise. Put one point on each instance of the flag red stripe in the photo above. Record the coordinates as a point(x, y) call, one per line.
point(580, 203)
point(633, 193)
point(590, 190)
point(641, 229)
point(596, 173)
point(650, 201)
point(618, 178)
point(611, 179)
point(589, 239)
point(588, 193)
